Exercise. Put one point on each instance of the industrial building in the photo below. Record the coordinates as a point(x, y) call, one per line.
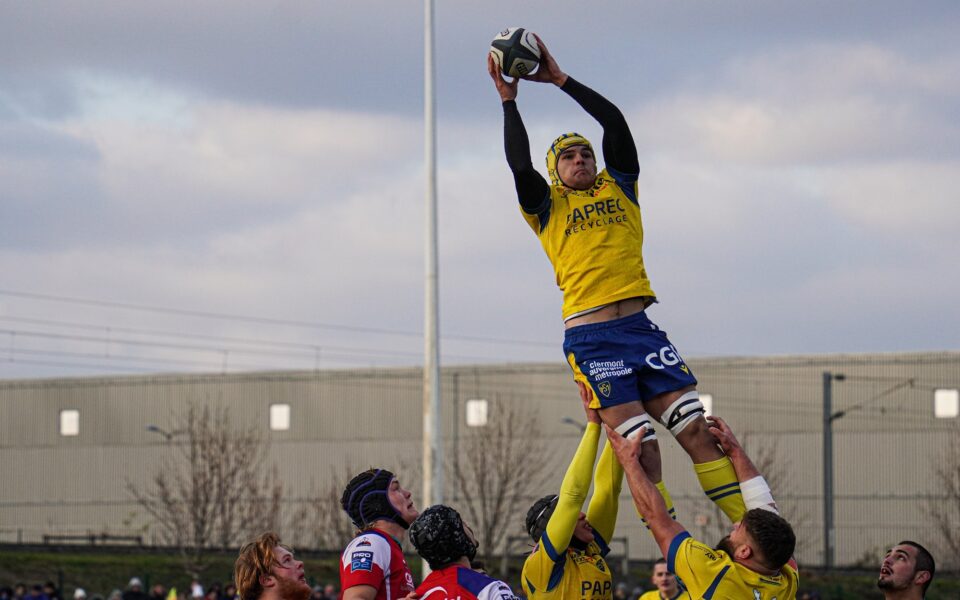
point(71, 447)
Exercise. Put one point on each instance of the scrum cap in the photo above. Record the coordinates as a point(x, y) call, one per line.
point(539, 514)
point(439, 537)
point(557, 147)
point(366, 499)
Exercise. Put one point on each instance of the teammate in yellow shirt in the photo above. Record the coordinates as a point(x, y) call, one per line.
point(668, 588)
point(567, 562)
point(589, 225)
point(753, 562)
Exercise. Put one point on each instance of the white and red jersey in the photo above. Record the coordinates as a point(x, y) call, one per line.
point(460, 583)
point(374, 558)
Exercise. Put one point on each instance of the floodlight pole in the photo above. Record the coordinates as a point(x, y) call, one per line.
point(432, 466)
point(829, 534)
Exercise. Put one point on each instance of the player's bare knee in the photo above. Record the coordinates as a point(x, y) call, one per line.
point(698, 442)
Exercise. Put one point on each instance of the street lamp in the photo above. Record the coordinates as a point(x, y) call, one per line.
point(168, 435)
point(829, 542)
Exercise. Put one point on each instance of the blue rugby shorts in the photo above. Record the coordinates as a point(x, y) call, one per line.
point(625, 360)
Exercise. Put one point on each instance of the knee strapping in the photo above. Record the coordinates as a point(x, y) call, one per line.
point(682, 412)
point(631, 427)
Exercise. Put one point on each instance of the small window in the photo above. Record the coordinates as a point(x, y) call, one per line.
point(946, 404)
point(476, 413)
point(70, 422)
point(707, 401)
point(279, 417)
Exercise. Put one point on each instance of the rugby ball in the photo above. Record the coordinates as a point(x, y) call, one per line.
point(516, 51)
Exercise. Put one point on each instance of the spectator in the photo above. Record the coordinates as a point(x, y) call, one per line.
point(196, 590)
point(36, 593)
point(158, 592)
point(134, 590)
point(620, 591)
point(229, 592)
point(906, 572)
point(330, 592)
point(19, 591)
point(317, 593)
point(6, 593)
point(79, 594)
point(116, 594)
point(50, 589)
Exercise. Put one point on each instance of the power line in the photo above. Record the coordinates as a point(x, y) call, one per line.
point(261, 320)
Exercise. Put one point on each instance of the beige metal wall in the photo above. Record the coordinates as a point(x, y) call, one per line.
point(885, 445)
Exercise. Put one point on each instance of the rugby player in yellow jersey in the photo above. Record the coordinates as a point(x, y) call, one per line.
point(667, 586)
point(590, 228)
point(567, 562)
point(754, 562)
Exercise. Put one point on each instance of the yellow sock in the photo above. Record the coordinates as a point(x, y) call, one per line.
point(666, 499)
point(719, 483)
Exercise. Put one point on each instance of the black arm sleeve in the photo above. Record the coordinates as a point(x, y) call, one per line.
point(532, 188)
point(619, 149)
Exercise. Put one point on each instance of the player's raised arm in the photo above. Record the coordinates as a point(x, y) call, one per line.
point(645, 494)
point(756, 492)
point(607, 481)
point(619, 149)
point(532, 189)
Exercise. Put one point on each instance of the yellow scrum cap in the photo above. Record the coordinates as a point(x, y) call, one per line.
point(557, 147)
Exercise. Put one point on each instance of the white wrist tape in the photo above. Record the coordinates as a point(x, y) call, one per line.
point(756, 494)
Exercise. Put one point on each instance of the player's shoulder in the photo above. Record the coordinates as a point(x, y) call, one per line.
point(483, 586)
point(369, 541)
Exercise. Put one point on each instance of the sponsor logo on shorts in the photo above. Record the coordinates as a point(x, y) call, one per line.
point(604, 369)
point(605, 388)
point(361, 561)
point(667, 356)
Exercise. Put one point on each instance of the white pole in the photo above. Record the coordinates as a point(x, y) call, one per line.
point(432, 465)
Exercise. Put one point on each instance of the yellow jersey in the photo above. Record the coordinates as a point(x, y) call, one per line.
point(556, 571)
point(712, 575)
point(594, 240)
point(655, 595)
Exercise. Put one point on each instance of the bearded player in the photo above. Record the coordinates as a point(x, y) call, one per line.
point(588, 223)
point(754, 561)
point(372, 566)
point(267, 570)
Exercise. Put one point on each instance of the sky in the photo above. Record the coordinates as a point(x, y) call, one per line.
point(225, 186)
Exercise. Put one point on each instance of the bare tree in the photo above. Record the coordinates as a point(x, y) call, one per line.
point(213, 489)
point(497, 469)
point(321, 522)
point(944, 508)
